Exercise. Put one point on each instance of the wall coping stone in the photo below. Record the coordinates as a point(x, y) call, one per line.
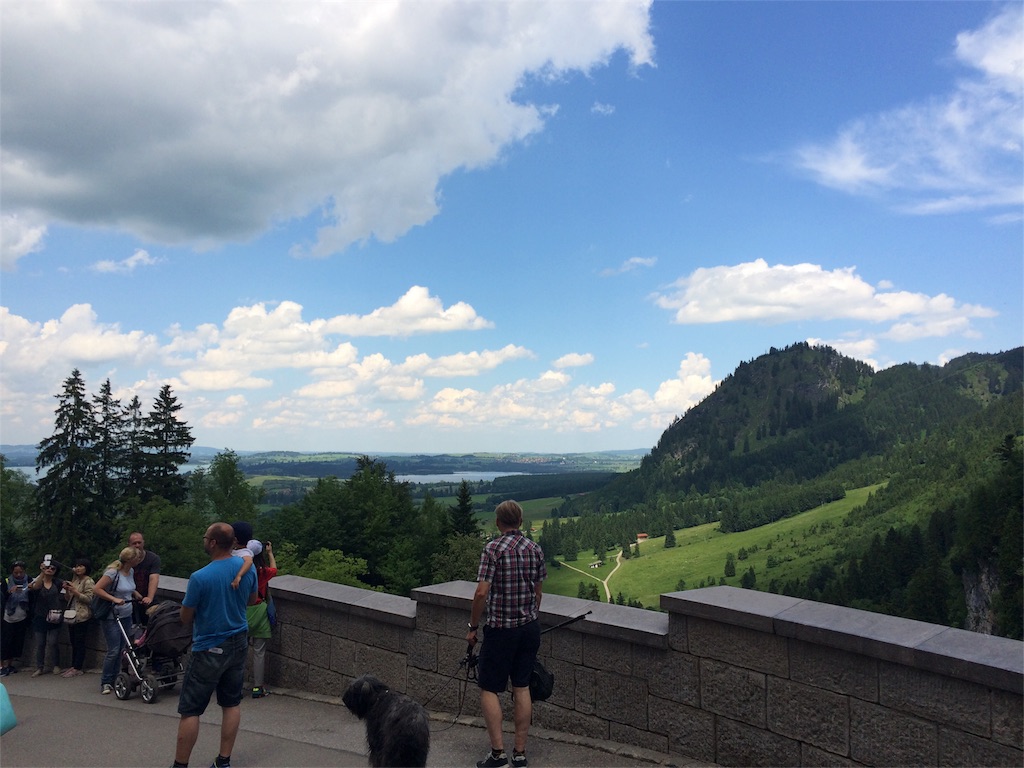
point(618, 622)
point(997, 662)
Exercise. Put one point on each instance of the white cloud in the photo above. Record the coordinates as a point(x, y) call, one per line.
point(602, 109)
point(788, 293)
point(629, 265)
point(463, 363)
point(140, 258)
point(19, 236)
point(958, 152)
point(414, 313)
point(574, 360)
point(210, 122)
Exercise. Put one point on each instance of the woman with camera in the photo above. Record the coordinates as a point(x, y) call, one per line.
point(117, 586)
point(47, 616)
point(79, 591)
point(15, 618)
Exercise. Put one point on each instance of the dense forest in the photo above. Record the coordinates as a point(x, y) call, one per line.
point(785, 433)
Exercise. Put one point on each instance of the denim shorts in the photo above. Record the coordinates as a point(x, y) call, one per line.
point(220, 669)
point(508, 654)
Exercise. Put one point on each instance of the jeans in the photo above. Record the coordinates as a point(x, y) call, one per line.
point(115, 642)
point(220, 669)
point(77, 634)
point(46, 646)
point(259, 649)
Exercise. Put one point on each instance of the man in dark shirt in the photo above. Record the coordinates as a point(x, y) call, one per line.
point(147, 577)
point(509, 586)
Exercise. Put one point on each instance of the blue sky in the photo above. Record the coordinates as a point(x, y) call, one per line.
point(457, 227)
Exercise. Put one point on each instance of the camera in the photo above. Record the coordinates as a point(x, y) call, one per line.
point(47, 560)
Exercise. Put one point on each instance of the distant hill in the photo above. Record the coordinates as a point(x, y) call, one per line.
point(796, 415)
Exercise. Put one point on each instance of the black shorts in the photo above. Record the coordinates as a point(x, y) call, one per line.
point(508, 654)
point(220, 669)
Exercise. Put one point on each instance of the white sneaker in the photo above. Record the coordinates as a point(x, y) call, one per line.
point(107, 688)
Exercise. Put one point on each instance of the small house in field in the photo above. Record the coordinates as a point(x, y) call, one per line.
point(641, 537)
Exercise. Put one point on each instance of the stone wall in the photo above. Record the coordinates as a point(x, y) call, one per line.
point(724, 675)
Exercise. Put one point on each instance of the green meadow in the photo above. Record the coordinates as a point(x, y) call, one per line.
point(784, 550)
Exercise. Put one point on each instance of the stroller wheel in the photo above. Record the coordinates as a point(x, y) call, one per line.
point(150, 689)
point(122, 686)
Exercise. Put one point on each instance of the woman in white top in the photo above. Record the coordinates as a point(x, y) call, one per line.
point(117, 585)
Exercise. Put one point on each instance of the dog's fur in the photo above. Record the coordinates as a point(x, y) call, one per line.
point(397, 727)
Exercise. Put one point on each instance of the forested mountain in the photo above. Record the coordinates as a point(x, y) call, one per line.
point(799, 426)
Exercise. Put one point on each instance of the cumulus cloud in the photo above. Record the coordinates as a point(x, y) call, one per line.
point(957, 152)
point(463, 363)
point(602, 109)
point(573, 360)
point(20, 235)
point(414, 313)
point(140, 258)
point(787, 293)
point(210, 122)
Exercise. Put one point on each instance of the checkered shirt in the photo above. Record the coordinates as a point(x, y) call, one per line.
point(513, 565)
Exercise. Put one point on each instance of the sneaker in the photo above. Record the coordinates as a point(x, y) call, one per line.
point(76, 673)
point(13, 669)
point(519, 759)
point(259, 692)
point(38, 672)
point(5, 671)
point(57, 670)
point(493, 762)
point(69, 672)
point(107, 688)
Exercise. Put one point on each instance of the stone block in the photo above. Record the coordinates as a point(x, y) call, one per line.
point(291, 641)
point(669, 674)
point(327, 683)
point(316, 649)
point(567, 646)
point(637, 737)
point(382, 664)
point(422, 650)
point(440, 693)
point(690, 731)
point(430, 618)
point(739, 646)
point(621, 699)
point(834, 670)
point(882, 736)
point(1007, 719)
point(677, 638)
point(287, 672)
point(810, 755)
point(610, 655)
point(343, 656)
point(297, 614)
point(741, 744)
point(568, 721)
point(733, 691)
point(564, 693)
point(809, 714)
point(962, 704)
point(957, 748)
point(375, 633)
point(585, 682)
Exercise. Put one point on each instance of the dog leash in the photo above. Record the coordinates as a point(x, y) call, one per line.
point(469, 661)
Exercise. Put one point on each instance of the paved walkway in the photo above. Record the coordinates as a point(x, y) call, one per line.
point(68, 723)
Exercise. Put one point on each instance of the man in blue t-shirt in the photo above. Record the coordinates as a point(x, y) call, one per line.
point(219, 645)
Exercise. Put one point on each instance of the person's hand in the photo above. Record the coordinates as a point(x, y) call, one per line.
point(268, 546)
point(234, 583)
point(471, 638)
point(146, 600)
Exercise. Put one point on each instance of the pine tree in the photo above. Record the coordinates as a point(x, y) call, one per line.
point(670, 539)
point(111, 457)
point(464, 522)
point(167, 443)
point(68, 520)
point(133, 486)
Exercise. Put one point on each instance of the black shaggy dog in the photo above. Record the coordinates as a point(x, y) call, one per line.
point(397, 727)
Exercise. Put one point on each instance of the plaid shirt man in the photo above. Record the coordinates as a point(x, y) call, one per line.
point(513, 565)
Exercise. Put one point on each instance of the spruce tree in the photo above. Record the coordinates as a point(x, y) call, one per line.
point(464, 522)
point(69, 522)
point(167, 444)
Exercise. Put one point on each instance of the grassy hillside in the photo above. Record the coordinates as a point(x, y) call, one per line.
point(795, 545)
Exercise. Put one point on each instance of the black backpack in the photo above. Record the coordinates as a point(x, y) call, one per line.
point(542, 682)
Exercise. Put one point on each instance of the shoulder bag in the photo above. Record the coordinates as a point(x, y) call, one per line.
point(101, 609)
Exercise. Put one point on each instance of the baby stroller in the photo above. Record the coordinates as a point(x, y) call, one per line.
point(155, 660)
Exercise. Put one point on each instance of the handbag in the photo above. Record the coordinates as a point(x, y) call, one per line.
point(55, 616)
point(101, 608)
point(70, 615)
point(542, 682)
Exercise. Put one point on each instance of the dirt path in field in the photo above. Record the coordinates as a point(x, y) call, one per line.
point(604, 581)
